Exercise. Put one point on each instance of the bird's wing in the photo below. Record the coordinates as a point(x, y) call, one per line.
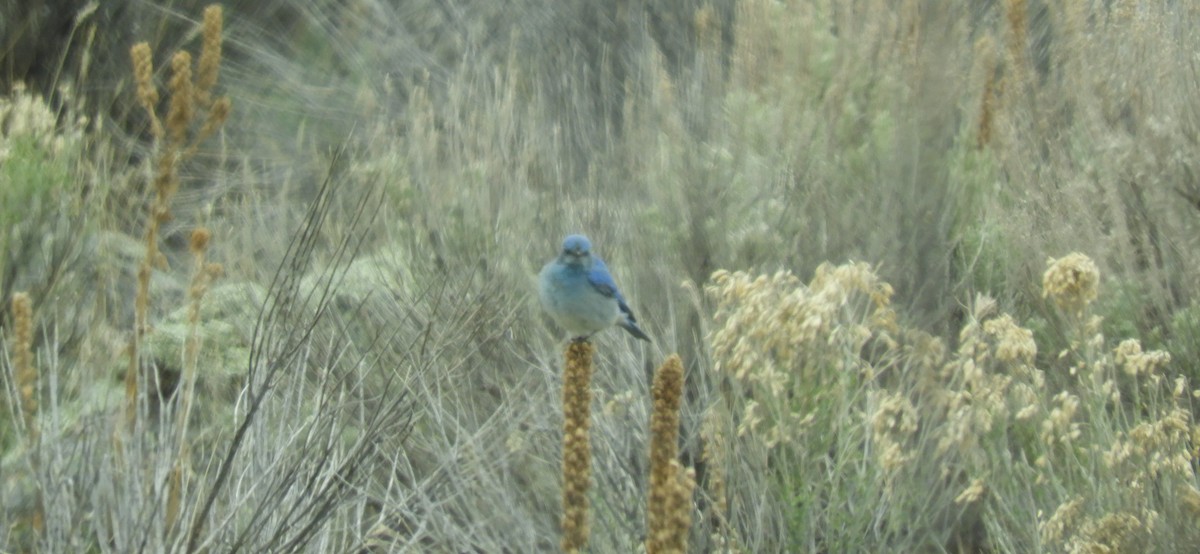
point(603, 282)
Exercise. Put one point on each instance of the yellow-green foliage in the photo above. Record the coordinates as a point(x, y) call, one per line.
point(796, 344)
point(34, 154)
point(37, 157)
point(955, 448)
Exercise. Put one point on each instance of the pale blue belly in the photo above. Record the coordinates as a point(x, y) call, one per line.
point(576, 306)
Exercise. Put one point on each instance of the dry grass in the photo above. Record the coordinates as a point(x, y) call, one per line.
point(862, 197)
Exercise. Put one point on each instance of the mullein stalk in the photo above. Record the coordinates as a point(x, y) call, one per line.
point(576, 448)
point(27, 385)
point(669, 507)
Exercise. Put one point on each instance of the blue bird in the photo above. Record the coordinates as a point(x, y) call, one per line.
point(577, 290)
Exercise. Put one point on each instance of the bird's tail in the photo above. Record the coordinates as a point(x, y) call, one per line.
point(629, 325)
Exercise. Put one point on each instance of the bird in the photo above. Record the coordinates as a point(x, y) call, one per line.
point(580, 294)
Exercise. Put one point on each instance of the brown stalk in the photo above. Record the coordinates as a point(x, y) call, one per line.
point(576, 455)
point(669, 507)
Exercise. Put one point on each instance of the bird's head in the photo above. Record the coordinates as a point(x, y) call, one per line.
point(576, 249)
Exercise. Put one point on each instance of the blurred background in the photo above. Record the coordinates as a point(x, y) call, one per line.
point(954, 147)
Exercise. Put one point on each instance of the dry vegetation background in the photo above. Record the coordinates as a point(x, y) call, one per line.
point(930, 267)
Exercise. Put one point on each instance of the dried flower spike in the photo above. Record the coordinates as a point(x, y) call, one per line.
point(576, 448)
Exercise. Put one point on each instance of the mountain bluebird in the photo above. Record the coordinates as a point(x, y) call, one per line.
point(579, 293)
